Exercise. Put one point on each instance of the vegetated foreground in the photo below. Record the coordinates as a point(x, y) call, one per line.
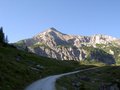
point(48, 83)
point(19, 68)
point(103, 78)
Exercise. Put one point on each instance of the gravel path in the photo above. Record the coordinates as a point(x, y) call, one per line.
point(48, 83)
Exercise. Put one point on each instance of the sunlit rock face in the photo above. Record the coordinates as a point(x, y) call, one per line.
point(54, 44)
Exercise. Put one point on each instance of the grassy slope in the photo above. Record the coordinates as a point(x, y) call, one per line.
point(16, 74)
point(105, 74)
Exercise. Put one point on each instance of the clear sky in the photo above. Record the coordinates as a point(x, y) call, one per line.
point(25, 18)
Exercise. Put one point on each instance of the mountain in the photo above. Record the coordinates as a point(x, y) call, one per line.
point(54, 44)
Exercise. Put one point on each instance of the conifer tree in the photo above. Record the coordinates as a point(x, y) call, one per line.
point(2, 39)
point(6, 39)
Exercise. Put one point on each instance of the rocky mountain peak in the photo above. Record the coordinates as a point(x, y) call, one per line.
point(104, 39)
point(49, 32)
point(54, 44)
point(104, 36)
point(52, 29)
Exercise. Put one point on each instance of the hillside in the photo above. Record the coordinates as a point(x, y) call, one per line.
point(54, 44)
point(102, 78)
point(20, 68)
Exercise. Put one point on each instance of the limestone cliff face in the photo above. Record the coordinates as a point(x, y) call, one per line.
point(54, 44)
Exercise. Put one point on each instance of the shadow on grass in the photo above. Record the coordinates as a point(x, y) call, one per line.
point(102, 78)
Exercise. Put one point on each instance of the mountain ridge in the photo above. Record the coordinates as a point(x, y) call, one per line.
point(54, 44)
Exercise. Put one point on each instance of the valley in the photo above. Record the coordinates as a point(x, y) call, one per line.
point(59, 44)
point(52, 53)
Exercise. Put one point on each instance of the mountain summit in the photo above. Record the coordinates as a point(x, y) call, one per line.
point(54, 44)
point(49, 31)
point(52, 29)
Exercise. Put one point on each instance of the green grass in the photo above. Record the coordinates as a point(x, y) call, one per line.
point(18, 68)
point(105, 74)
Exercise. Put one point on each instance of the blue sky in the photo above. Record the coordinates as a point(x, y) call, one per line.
point(25, 18)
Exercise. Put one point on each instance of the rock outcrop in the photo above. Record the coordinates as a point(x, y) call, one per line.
point(54, 44)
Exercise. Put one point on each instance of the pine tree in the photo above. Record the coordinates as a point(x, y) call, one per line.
point(2, 39)
point(6, 39)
